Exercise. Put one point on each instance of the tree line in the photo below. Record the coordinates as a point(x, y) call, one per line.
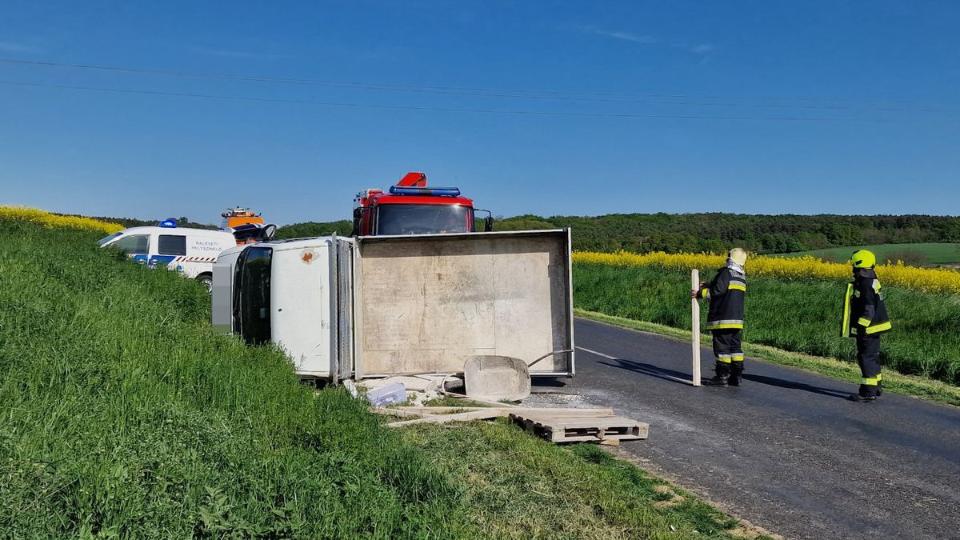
point(711, 232)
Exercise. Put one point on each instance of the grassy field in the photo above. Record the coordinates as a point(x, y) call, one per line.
point(125, 415)
point(795, 315)
point(931, 254)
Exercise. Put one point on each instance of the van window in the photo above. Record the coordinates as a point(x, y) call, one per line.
point(135, 244)
point(172, 244)
point(107, 238)
point(252, 300)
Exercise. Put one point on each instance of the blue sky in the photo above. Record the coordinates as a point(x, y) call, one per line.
point(530, 107)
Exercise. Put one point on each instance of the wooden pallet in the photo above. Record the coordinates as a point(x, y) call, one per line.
point(561, 427)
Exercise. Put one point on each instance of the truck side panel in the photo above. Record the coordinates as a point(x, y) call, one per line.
point(427, 303)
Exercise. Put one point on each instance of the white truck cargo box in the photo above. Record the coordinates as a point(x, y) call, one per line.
point(388, 305)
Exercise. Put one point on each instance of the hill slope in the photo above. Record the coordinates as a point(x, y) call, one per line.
point(125, 414)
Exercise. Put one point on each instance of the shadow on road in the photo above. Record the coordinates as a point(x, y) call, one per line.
point(550, 381)
point(684, 378)
point(650, 369)
point(792, 385)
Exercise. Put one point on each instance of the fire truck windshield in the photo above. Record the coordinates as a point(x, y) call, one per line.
point(422, 219)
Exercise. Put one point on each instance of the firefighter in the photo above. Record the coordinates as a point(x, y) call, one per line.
point(865, 317)
point(725, 319)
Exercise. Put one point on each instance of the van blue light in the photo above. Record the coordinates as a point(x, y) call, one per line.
point(169, 223)
point(428, 191)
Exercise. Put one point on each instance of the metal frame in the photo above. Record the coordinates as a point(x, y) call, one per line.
point(345, 308)
point(333, 286)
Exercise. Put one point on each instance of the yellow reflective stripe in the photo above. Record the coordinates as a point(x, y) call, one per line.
point(870, 381)
point(845, 324)
point(738, 358)
point(737, 287)
point(879, 377)
point(705, 293)
point(724, 358)
point(724, 325)
point(863, 321)
point(879, 327)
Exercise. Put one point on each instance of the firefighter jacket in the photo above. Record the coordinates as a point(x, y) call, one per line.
point(726, 292)
point(863, 305)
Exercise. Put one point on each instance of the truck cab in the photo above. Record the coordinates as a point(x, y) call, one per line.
point(411, 207)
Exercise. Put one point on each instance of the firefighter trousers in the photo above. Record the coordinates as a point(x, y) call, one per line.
point(868, 358)
point(728, 350)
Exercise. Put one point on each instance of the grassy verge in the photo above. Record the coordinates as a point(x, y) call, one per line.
point(793, 315)
point(125, 415)
point(518, 486)
point(893, 381)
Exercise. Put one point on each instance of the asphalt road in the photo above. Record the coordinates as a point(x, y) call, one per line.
point(785, 451)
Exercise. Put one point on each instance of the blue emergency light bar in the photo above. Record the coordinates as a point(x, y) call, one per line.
point(169, 223)
point(428, 191)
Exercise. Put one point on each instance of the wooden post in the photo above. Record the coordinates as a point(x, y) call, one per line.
point(695, 320)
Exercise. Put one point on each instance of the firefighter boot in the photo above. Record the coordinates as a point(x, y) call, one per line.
point(736, 372)
point(866, 393)
point(722, 375)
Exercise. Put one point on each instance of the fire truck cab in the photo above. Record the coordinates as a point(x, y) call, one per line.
point(410, 207)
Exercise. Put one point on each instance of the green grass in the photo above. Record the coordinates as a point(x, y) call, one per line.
point(522, 487)
point(930, 254)
point(125, 415)
point(799, 316)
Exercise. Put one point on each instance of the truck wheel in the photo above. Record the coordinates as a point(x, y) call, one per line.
point(207, 281)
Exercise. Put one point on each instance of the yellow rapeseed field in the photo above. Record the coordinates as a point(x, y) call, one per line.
point(19, 213)
point(921, 279)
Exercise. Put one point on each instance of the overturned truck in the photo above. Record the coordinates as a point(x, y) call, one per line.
point(374, 306)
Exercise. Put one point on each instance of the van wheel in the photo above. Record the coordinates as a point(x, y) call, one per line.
point(207, 281)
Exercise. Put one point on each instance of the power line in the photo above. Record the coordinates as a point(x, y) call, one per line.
point(532, 95)
point(337, 104)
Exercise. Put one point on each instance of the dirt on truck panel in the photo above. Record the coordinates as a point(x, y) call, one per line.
point(785, 451)
point(428, 303)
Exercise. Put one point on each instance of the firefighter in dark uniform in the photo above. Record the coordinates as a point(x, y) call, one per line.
point(865, 317)
point(726, 293)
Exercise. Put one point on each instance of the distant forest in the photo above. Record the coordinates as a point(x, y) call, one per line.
point(135, 222)
point(711, 232)
point(315, 228)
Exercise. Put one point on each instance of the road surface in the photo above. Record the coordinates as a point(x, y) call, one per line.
point(785, 451)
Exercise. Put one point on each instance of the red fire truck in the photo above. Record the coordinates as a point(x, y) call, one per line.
point(411, 207)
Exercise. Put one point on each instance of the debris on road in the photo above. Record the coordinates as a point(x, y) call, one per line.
point(387, 394)
point(418, 389)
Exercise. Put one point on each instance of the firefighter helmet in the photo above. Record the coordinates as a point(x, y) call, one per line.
point(863, 258)
point(738, 255)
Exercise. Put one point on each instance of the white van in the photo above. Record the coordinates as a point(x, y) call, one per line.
point(191, 252)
